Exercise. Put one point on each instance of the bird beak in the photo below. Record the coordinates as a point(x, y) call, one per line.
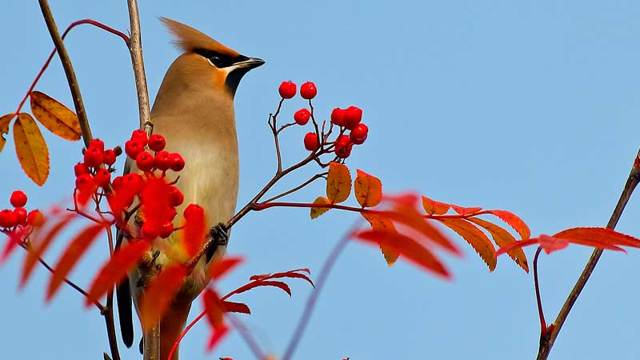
point(250, 63)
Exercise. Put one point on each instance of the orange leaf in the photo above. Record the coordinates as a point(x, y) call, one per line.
point(295, 274)
point(407, 247)
point(381, 223)
point(223, 266)
point(230, 306)
point(31, 149)
point(433, 207)
point(338, 183)
point(475, 237)
point(39, 246)
point(317, 211)
point(78, 246)
point(368, 189)
point(597, 237)
point(115, 269)
point(258, 283)
point(5, 120)
point(159, 293)
point(503, 238)
point(55, 116)
point(514, 221)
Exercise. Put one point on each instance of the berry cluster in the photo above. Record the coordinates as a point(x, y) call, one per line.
point(159, 160)
point(97, 166)
point(19, 216)
point(352, 131)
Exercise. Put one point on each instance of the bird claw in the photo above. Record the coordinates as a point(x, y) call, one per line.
point(220, 236)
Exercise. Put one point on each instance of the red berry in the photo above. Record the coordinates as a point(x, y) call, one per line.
point(166, 230)
point(80, 169)
point(311, 141)
point(110, 157)
point(144, 161)
point(157, 142)
point(133, 148)
point(35, 218)
point(93, 157)
point(338, 117)
point(302, 116)
point(359, 133)
point(96, 143)
point(353, 116)
point(150, 230)
point(84, 181)
point(133, 182)
point(117, 182)
point(139, 135)
point(177, 161)
point(21, 216)
point(18, 198)
point(103, 177)
point(162, 160)
point(176, 198)
point(192, 211)
point(308, 90)
point(343, 146)
point(287, 89)
point(7, 219)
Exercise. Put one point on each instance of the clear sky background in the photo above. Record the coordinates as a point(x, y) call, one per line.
point(527, 106)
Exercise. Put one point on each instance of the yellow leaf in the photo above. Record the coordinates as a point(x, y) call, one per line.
point(433, 207)
point(503, 238)
point(31, 149)
point(338, 183)
point(475, 237)
point(55, 116)
point(4, 128)
point(368, 189)
point(317, 211)
point(381, 223)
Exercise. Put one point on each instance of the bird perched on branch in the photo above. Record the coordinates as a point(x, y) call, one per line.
point(194, 111)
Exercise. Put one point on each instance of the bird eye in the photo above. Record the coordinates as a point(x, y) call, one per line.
point(219, 61)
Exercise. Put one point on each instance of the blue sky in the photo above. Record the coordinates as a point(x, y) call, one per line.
point(527, 106)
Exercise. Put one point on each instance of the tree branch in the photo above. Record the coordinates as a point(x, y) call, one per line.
point(68, 70)
point(630, 185)
point(135, 48)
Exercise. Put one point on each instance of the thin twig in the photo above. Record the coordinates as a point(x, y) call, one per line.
point(536, 284)
point(309, 181)
point(135, 48)
point(630, 185)
point(313, 298)
point(68, 70)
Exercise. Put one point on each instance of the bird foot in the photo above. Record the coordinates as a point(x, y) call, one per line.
point(220, 236)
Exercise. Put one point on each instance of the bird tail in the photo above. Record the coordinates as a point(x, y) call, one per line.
point(171, 326)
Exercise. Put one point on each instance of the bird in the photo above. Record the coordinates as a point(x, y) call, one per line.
point(194, 110)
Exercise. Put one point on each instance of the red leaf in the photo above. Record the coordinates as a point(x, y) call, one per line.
point(230, 306)
point(411, 218)
point(78, 246)
point(433, 207)
point(407, 247)
point(115, 269)
point(516, 245)
point(217, 336)
point(258, 283)
point(550, 244)
point(465, 211)
point(16, 237)
point(287, 274)
point(513, 220)
point(214, 309)
point(39, 246)
point(503, 238)
point(193, 234)
point(222, 267)
point(597, 237)
point(159, 294)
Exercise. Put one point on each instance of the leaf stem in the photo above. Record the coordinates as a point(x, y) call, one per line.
point(536, 283)
point(630, 185)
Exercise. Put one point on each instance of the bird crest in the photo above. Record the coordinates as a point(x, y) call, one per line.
point(190, 39)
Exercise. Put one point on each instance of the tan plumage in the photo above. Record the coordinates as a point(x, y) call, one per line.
point(194, 111)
